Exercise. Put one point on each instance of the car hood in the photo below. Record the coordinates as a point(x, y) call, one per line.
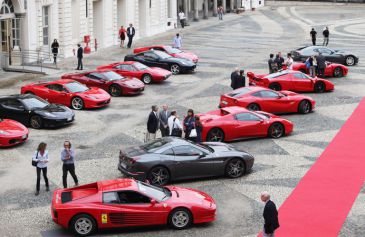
point(97, 93)
point(13, 127)
point(130, 82)
point(190, 195)
point(184, 61)
point(159, 71)
point(55, 109)
point(343, 52)
point(186, 55)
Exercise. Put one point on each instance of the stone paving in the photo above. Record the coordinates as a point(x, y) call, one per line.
point(240, 40)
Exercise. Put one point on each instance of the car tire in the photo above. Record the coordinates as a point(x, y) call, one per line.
point(235, 168)
point(147, 79)
point(275, 86)
point(338, 72)
point(83, 225)
point(159, 176)
point(36, 122)
point(350, 60)
point(215, 135)
point(276, 130)
point(253, 107)
point(304, 107)
point(180, 218)
point(77, 103)
point(175, 69)
point(319, 87)
point(115, 90)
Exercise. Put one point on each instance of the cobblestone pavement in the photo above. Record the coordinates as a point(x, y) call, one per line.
point(246, 41)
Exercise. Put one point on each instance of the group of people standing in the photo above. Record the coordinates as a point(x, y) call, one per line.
point(169, 124)
point(238, 79)
point(325, 33)
point(277, 63)
point(316, 65)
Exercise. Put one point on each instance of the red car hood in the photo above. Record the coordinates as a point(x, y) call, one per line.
point(98, 93)
point(13, 128)
point(159, 71)
point(130, 82)
point(191, 196)
point(187, 55)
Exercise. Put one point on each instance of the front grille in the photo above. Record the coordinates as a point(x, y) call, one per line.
point(104, 102)
point(14, 141)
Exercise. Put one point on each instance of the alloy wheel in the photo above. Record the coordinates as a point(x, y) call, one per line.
point(159, 176)
point(83, 226)
point(147, 79)
point(253, 107)
point(216, 135)
point(276, 130)
point(180, 219)
point(319, 87)
point(77, 103)
point(175, 69)
point(115, 90)
point(337, 72)
point(350, 61)
point(235, 168)
point(36, 122)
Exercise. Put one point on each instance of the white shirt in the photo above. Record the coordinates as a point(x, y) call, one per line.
point(41, 159)
point(172, 124)
point(289, 63)
point(181, 15)
point(177, 42)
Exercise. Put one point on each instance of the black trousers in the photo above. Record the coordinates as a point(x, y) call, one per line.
point(69, 168)
point(130, 40)
point(182, 22)
point(44, 171)
point(79, 64)
point(164, 131)
point(321, 72)
point(314, 41)
point(55, 58)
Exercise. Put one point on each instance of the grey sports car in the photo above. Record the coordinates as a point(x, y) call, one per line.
point(167, 159)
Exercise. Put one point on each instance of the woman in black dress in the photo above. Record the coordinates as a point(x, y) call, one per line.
point(55, 47)
point(122, 32)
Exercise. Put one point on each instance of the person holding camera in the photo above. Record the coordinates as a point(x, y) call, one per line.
point(68, 159)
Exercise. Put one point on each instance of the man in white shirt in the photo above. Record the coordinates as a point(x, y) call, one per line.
point(174, 125)
point(289, 62)
point(177, 41)
point(130, 33)
point(182, 18)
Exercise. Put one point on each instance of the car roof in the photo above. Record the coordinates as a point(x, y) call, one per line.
point(234, 109)
point(60, 81)
point(117, 184)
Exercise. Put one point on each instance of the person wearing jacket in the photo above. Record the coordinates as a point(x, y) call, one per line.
point(234, 78)
point(189, 124)
point(68, 159)
point(152, 123)
point(80, 55)
point(270, 216)
point(55, 45)
point(199, 129)
point(130, 33)
point(321, 65)
point(41, 157)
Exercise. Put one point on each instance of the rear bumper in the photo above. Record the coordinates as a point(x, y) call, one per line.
point(136, 175)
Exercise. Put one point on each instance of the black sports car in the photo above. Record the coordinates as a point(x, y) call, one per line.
point(156, 58)
point(331, 55)
point(35, 112)
point(170, 158)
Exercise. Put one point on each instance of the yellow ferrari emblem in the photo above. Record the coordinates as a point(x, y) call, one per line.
point(164, 205)
point(104, 218)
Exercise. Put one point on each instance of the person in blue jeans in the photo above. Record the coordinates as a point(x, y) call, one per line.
point(68, 159)
point(189, 124)
point(41, 157)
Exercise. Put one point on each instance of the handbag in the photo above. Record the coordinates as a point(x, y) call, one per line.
point(176, 132)
point(193, 133)
point(34, 163)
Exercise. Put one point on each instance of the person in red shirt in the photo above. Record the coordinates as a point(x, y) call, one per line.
point(122, 36)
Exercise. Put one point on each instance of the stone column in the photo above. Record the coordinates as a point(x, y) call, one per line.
point(215, 6)
point(231, 5)
point(196, 11)
point(206, 8)
point(186, 12)
point(224, 4)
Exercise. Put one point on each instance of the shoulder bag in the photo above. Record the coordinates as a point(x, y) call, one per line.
point(176, 132)
point(34, 163)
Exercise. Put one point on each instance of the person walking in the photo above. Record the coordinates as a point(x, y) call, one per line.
point(326, 36)
point(182, 18)
point(68, 159)
point(313, 34)
point(270, 216)
point(175, 127)
point(220, 11)
point(273, 67)
point(80, 55)
point(189, 124)
point(234, 78)
point(279, 60)
point(122, 32)
point(289, 62)
point(130, 33)
point(152, 124)
point(199, 129)
point(321, 65)
point(163, 117)
point(40, 156)
point(177, 42)
point(54, 47)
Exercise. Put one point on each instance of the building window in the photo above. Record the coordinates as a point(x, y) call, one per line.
point(45, 19)
point(7, 7)
point(15, 28)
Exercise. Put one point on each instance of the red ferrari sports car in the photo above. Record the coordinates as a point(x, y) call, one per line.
point(127, 202)
point(138, 70)
point(69, 93)
point(258, 98)
point(174, 52)
point(234, 123)
point(292, 81)
point(331, 70)
point(12, 133)
point(109, 81)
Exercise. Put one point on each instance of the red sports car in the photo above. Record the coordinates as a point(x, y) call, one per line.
point(291, 81)
point(12, 133)
point(126, 202)
point(332, 69)
point(69, 93)
point(138, 70)
point(109, 81)
point(234, 123)
point(174, 52)
point(258, 98)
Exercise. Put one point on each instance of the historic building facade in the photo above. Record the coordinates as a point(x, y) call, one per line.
point(32, 25)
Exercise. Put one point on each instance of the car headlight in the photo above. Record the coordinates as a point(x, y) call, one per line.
point(2, 132)
point(91, 97)
point(48, 114)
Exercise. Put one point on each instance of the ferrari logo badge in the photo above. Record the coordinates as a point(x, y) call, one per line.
point(164, 205)
point(104, 218)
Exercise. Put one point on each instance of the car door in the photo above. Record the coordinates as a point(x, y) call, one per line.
point(125, 70)
point(302, 82)
point(56, 94)
point(247, 125)
point(12, 108)
point(95, 80)
point(273, 102)
point(329, 54)
point(152, 59)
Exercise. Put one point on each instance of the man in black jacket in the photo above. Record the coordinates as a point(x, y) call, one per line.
point(234, 78)
point(130, 33)
point(152, 124)
point(270, 216)
point(326, 36)
point(80, 55)
point(313, 34)
point(321, 64)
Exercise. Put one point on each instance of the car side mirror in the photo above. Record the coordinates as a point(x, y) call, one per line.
point(153, 202)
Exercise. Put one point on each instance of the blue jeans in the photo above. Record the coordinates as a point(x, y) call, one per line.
point(220, 15)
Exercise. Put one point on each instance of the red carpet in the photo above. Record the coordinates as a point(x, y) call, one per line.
point(319, 205)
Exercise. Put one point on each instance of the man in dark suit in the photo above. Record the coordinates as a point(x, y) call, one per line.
point(152, 124)
point(321, 64)
point(270, 216)
point(130, 33)
point(164, 116)
point(234, 78)
point(80, 55)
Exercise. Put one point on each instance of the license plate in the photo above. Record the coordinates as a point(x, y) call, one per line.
point(69, 119)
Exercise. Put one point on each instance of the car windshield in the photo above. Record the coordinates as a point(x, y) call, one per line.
point(239, 92)
point(111, 76)
point(170, 49)
point(205, 147)
point(162, 55)
point(140, 66)
point(153, 146)
point(157, 193)
point(31, 103)
point(277, 74)
point(75, 87)
point(262, 116)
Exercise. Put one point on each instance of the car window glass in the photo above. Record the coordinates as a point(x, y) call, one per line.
point(168, 152)
point(300, 76)
point(12, 103)
point(257, 94)
point(239, 92)
point(35, 102)
point(110, 197)
point(325, 51)
point(187, 151)
point(269, 94)
point(56, 87)
point(150, 56)
point(131, 197)
point(247, 117)
point(94, 76)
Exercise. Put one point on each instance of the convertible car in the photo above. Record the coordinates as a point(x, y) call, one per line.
point(174, 52)
point(12, 133)
point(258, 98)
point(170, 158)
point(331, 55)
point(331, 70)
point(234, 123)
point(109, 81)
point(156, 58)
point(290, 80)
point(126, 203)
point(69, 93)
point(30, 110)
point(138, 70)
